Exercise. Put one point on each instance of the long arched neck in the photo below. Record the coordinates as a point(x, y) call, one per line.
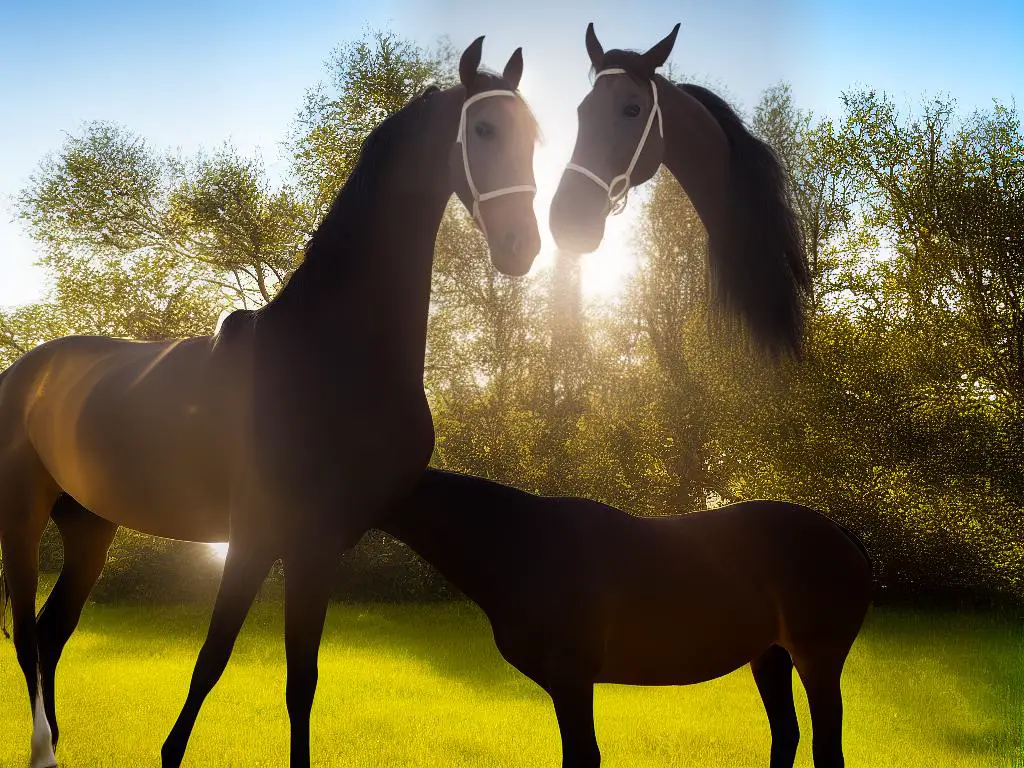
point(365, 281)
point(463, 526)
point(696, 153)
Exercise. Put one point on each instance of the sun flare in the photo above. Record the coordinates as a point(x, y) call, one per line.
point(606, 270)
point(220, 549)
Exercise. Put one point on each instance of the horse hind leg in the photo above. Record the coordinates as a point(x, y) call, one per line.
point(25, 502)
point(773, 674)
point(821, 678)
point(569, 681)
point(86, 539)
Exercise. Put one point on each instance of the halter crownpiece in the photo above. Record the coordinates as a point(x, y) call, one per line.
point(617, 194)
point(463, 140)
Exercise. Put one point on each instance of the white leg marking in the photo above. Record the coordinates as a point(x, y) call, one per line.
point(42, 737)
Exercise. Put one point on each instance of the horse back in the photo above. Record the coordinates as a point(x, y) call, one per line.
point(128, 428)
point(764, 541)
point(700, 594)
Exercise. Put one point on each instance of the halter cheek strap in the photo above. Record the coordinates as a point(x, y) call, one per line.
point(463, 140)
point(618, 187)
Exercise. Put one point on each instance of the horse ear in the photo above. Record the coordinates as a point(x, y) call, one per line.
point(594, 49)
point(658, 55)
point(469, 64)
point(513, 72)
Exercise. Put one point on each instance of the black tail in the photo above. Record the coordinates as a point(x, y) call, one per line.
point(758, 267)
point(5, 600)
point(858, 543)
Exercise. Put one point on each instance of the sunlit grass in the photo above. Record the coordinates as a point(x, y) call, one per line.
point(424, 686)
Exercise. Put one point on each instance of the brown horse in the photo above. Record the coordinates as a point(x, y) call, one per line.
point(631, 122)
point(579, 593)
point(290, 431)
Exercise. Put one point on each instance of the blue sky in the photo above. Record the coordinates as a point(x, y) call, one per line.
point(194, 74)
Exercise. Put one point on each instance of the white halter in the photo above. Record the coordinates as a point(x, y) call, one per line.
point(616, 193)
point(463, 140)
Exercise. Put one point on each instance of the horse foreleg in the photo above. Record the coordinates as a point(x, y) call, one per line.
point(573, 697)
point(244, 570)
point(773, 673)
point(86, 540)
point(307, 589)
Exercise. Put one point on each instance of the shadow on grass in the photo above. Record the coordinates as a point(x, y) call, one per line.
point(989, 741)
point(971, 666)
point(453, 639)
point(956, 679)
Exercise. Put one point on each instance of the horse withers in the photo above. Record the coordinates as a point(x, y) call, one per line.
point(578, 592)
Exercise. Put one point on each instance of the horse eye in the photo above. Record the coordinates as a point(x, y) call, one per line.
point(484, 130)
point(631, 110)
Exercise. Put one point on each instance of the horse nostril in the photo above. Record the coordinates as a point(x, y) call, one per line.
point(510, 241)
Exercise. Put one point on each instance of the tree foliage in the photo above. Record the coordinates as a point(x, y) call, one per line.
point(369, 79)
point(108, 198)
point(904, 421)
point(949, 194)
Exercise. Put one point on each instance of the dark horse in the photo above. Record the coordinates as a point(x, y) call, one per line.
point(631, 122)
point(579, 593)
point(290, 431)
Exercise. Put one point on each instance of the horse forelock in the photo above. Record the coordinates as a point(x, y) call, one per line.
point(491, 81)
point(631, 61)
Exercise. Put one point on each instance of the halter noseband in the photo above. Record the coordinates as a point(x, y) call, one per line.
point(463, 140)
point(616, 193)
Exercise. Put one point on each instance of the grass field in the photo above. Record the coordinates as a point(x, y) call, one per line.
point(424, 686)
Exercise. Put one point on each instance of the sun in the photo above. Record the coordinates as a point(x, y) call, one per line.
point(220, 549)
point(606, 270)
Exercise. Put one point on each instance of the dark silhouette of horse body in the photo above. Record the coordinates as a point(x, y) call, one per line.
point(578, 593)
point(289, 432)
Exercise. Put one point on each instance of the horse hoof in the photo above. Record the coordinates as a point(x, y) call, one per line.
point(44, 761)
point(42, 753)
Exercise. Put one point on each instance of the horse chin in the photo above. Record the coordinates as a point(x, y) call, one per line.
point(578, 239)
point(514, 246)
point(510, 263)
point(577, 217)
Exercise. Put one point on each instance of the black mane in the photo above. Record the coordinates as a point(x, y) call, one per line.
point(757, 264)
point(350, 204)
point(353, 206)
point(346, 222)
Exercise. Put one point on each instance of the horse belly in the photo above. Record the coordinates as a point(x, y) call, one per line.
point(680, 640)
point(178, 490)
point(161, 513)
point(162, 498)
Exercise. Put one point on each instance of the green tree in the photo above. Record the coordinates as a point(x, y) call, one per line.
point(485, 355)
point(107, 196)
point(949, 195)
point(24, 327)
point(231, 218)
point(368, 79)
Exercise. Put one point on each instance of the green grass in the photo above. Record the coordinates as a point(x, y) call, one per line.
point(424, 686)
